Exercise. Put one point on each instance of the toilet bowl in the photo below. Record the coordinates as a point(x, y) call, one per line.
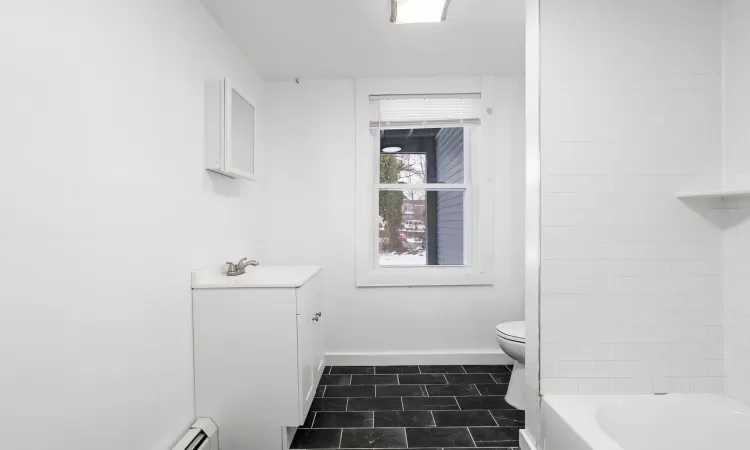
point(511, 336)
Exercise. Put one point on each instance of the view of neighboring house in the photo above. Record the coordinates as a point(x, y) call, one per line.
point(414, 209)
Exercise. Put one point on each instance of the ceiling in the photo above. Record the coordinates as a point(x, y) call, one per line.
point(343, 38)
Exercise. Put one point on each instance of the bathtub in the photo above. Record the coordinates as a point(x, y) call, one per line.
point(644, 422)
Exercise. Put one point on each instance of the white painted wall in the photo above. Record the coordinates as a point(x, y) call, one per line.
point(312, 221)
point(631, 278)
point(106, 208)
point(737, 176)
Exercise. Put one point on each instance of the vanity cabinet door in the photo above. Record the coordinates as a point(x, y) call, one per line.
point(318, 352)
point(308, 330)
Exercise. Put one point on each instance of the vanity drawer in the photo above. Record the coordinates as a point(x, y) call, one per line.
point(308, 291)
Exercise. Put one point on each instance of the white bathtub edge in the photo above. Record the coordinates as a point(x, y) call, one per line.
point(618, 422)
point(525, 441)
point(571, 419)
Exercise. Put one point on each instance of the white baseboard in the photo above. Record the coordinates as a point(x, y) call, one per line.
point(525, 441)
point(424, 358)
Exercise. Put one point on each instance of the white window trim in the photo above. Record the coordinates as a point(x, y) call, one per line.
point(479, 272)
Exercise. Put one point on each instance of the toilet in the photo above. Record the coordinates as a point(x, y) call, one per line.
point(511, 336)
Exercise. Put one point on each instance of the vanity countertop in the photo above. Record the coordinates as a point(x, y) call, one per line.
point(214, 277)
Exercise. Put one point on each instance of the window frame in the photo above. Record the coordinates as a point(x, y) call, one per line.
point(478, 197)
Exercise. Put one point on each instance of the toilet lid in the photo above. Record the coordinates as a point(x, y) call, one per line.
point(513, 331)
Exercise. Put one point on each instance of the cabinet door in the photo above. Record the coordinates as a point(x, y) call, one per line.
point(239, 133)
point(307, 327)
point(318, 353)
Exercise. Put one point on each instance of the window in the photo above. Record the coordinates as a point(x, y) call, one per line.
point(423, 206)
point(424, 217)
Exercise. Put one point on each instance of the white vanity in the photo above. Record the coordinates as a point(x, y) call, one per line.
point(258, 351)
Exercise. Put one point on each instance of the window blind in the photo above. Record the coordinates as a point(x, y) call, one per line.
point(425, 111)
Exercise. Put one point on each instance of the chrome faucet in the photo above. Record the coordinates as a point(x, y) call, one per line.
point(238, 269)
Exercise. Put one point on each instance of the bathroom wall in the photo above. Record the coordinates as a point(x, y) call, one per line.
point(311, 206)
point(737, 176)
point(631, 277)
point(106, 208)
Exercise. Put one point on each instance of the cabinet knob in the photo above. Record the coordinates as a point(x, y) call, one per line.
point(315, 318)
point(319, 314)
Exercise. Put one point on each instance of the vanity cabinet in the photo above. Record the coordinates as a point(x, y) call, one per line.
point(258, 351)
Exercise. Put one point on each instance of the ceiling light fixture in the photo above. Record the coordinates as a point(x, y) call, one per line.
point(391, 150)
point(418, 11)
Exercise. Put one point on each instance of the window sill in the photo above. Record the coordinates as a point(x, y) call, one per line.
point(422, 276)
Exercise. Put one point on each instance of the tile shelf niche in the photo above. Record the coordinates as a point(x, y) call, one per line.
point(718, 194)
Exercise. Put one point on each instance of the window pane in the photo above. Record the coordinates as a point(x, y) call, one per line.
point(422, 155)
point(421, 228)
point(403, 168)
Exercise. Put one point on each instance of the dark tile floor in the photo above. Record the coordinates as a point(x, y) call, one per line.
point(400, 407)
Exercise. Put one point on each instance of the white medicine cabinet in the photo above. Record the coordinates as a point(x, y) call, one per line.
point(230, 130)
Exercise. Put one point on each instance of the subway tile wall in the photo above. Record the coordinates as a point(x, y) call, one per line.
point(737, 303)
point(631, 279)
point(737, 176)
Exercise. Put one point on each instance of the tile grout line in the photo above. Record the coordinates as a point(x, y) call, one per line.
point(433, 419)
point(493, 418)
point(470, 435)
point(341, 438)
point(406, 439)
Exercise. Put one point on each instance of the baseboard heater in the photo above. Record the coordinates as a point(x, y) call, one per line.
point(203, 435)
